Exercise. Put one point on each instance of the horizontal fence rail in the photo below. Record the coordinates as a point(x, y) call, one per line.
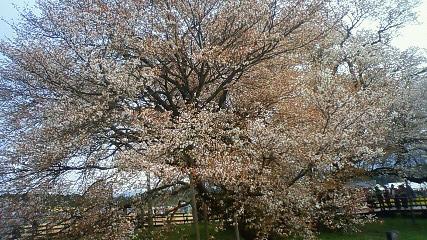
point(44, 230)
point(399, 204)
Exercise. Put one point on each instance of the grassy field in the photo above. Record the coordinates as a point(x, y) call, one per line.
point(186, 231)
point(407, 230)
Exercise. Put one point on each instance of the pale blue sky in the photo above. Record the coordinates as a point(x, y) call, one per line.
point(8, 12)
point(414, 35)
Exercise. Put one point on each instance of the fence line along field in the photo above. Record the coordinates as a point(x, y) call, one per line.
point(44, 230)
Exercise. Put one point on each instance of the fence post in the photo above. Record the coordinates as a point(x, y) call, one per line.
point(35, 228)
point(410, 195)
point(392, 235)
point(16, 232)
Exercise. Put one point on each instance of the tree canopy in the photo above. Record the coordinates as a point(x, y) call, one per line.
point(265, 108)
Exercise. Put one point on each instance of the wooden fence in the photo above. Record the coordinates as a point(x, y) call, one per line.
point(177, 218)
point(400, 204)
point(42, 231)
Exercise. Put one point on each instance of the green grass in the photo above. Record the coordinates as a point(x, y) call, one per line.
point(189, 233)
point(407, 231)
point(186, 231)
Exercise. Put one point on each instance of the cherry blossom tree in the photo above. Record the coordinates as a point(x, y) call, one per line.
point(262, 108)
point(407, 140)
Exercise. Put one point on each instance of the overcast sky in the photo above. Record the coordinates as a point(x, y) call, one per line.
point(414, 35)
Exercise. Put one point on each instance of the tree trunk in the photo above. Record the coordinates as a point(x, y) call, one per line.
point(150, 204)
point(205, 218)
point(236, 227)
point(194, 208)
